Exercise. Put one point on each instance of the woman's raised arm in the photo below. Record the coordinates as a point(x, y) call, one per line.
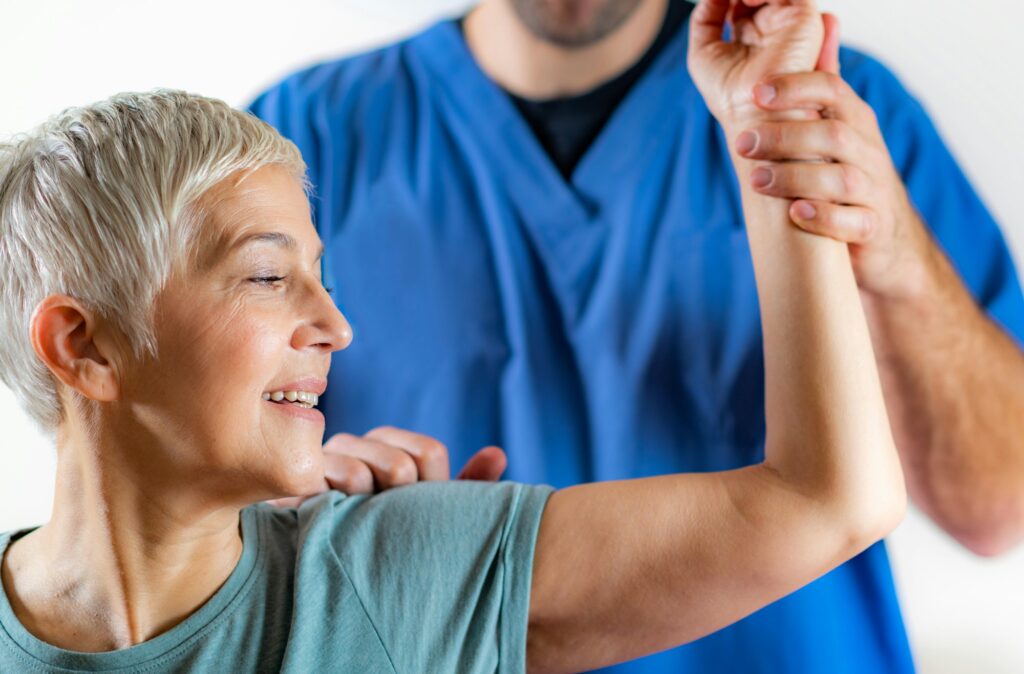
point(624, 569)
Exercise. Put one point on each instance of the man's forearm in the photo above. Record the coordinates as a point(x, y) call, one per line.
point(954, 388)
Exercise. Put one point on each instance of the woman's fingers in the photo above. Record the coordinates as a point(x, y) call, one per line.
point(707, 23)
point(429, 455)
point(850, 224)
point(828, 139)
point(815, 181)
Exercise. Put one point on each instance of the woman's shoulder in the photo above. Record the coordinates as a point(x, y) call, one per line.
point(442, 559)
point(437, 507)
point(435, 511)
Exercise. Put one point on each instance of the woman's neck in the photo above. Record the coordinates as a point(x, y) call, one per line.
point(123, 558)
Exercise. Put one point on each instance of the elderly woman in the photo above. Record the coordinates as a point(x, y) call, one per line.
point(163, 316)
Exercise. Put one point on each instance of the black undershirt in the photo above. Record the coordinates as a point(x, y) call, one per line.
point(566, 127)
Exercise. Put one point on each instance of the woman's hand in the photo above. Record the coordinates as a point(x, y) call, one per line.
point(769, 38)
point(389, 457)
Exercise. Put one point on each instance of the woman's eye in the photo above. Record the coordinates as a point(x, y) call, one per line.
point(267, 280)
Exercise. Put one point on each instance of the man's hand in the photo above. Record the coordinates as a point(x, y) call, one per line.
point(838, 169)
point(769, 38)
point(389, 457)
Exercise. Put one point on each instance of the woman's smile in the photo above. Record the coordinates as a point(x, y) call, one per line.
point(297, 411)
point(298, 399)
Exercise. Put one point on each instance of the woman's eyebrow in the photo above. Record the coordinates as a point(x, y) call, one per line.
point(277, 238)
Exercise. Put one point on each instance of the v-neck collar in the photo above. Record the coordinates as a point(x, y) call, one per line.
point(147, 653)
point(655, 102)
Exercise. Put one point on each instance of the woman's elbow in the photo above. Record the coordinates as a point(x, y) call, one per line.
point(874, 512)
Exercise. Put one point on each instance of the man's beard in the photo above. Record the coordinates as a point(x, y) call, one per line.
point(573, 23)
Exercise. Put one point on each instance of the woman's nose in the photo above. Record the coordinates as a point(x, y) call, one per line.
point(327, 328)
point(340, 330)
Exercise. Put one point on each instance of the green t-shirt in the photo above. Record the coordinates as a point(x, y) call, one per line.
point(429, 578)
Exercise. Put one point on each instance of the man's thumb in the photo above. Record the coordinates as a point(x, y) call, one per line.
point(488, 464)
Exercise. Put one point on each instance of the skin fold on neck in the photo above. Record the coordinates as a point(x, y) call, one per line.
point(127, 555)
point(528, 66)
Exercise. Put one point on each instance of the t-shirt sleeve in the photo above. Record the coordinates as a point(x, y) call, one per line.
point(443, 571)
point(942, 194)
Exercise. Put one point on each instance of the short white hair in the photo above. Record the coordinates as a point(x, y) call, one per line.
point(101, 203)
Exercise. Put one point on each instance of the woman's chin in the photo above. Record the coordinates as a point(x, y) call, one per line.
point(304, 475)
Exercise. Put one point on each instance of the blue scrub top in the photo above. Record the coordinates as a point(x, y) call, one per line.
point(598, 329)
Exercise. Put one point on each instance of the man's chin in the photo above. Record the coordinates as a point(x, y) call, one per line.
point(573, 24)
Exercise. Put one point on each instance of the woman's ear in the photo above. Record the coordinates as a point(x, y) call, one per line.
point(64, 336)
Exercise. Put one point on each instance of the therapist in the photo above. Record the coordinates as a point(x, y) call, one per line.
point(533, 225)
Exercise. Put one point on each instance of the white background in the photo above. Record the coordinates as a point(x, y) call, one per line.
point(963, 59)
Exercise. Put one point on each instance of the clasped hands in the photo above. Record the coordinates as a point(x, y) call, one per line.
point(776, 90)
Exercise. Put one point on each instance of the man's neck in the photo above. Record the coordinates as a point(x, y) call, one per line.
point(122, 559)
point(529, 67)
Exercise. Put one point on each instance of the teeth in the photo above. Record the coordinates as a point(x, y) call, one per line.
point(305, 399)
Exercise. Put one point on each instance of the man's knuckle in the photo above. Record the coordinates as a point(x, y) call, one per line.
point(338, 441)
point(402, 471)
point(868, 113)
point(360, 479)
point(338, 468)
point(825, 218)
point(792, 138)
point(868, 224)
point(850, 178)
point(878, 157)
point(835, 86)
point(434, 449)
point(837, 134)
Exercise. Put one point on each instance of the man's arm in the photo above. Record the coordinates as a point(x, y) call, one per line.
point(628, 568)
point(953, 378)
point(954, 385)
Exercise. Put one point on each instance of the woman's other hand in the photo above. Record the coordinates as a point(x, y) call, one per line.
point(389, 457)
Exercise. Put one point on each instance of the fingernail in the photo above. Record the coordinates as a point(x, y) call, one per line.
point(761, 177)
point(765, 93)
point(805, 211)
point(747, 141)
